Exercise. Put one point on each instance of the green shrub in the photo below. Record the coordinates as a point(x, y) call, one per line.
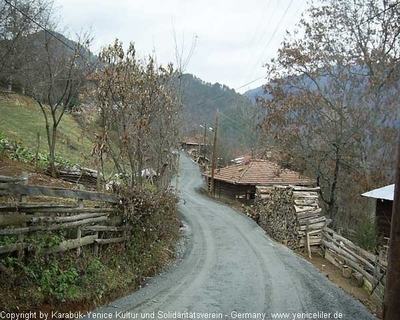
point(367, 234)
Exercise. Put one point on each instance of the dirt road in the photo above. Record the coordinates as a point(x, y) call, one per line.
point(232, 270)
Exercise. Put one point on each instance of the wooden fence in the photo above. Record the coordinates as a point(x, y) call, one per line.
point(20, 219)
point(295, 219)
point(364, 268)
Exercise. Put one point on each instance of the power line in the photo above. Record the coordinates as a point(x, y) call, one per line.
point(238, 127)
point(273, 35)
point(262, 34)
point(49, 32)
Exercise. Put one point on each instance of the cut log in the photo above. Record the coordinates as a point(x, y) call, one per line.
point(357, 279)
point(77, 217)
point(71, 244)
point(113, 240)
point(14, 231)
point(13, 247)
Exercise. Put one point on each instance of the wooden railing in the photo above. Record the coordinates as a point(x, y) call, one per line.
point(363, 267)
point(20, 219)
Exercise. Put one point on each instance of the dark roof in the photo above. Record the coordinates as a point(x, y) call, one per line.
point(259, 172)
point(196, 140)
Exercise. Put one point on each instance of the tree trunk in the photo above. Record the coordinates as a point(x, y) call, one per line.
point(333, 207)
point(52, 152)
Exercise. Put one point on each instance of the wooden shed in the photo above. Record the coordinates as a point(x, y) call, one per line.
point(383, 208)
point(239, 181)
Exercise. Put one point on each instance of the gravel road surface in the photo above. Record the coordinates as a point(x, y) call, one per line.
point(231, 270)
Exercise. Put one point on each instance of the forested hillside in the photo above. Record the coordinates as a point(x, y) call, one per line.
point(238, 120)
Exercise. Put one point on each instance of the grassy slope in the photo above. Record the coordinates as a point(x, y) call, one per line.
point(21, 119)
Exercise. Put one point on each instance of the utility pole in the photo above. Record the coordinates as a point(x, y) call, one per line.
point(214, 156)
point(177, 173)
point(205, 141)
point(391, 305)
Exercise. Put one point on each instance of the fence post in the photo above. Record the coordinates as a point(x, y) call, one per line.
point(23, 199)
point(96, 245)
point(79, 230)
point(24, 182)
point(78, 236)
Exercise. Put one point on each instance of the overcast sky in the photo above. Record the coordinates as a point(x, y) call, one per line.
point(232, 38)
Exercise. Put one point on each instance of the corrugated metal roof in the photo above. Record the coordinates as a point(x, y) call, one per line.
point(259, 172)
point(386, 193)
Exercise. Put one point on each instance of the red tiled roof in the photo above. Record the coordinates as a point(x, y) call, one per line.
point(259, 172)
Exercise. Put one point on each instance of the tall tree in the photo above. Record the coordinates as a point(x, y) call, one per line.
point(138, 112)
point(334, 88)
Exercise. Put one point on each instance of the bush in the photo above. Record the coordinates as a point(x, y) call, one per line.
point(367, 234)
point(64, 278)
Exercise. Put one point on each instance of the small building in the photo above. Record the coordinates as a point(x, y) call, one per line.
point(383, 208)
point(239, 181)
point(195, 142)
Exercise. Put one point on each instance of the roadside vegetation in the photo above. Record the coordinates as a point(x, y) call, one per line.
point(118, 114)
point(37, 281)
point(21, 122)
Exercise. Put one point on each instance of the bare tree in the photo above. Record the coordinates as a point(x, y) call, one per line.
point(334, 92)
point(54, 80)
point(16, 26)
point(138, 112)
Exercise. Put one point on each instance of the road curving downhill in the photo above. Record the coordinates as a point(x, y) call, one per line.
point(231, 270)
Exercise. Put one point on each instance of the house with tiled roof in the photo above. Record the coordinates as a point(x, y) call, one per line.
point(239, 181)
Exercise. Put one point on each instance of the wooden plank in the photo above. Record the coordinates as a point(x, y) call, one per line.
point(314, 226)
point(104, 228)
point(13, 247)
point(311, 220)
point(314, 232)
point(59, 193)
point(350, 244)
point(112, 240)
point(302, 215)
point(300, 209)
point(15, 219)
point(352, 253)
point(6, 179)
point(306, 202)
point(305, 189)
point(350, 260)
point(71, 244)
point(36, 219)
point(307, 195)
point(312, 242)
point(31, 207)
point(12, 231)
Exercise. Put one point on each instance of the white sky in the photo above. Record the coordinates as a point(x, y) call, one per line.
point(233, 38)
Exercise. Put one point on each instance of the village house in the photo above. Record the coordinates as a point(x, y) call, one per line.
point(239, 181)
point(383, 208)
point(196, 142)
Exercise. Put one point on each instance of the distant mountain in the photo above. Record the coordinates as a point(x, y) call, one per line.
point(237, 121)
point(202, 99)
point(61, 43)
point(254, 93)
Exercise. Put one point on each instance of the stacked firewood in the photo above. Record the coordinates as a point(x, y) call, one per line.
point(291, 215)
point(78, 174)
point(250, 212)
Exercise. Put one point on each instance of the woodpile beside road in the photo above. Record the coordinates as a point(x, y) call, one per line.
point(77, 174)
point(291, 215)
